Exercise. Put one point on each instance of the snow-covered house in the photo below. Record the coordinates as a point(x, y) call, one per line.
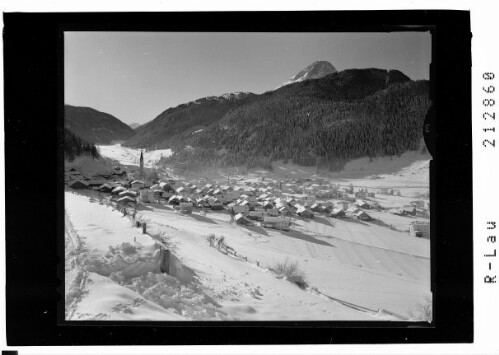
point(185, 207)
point(78, 184)
point(420, 229)
point(254, 215)
point(201, 202)
point(105, 188)
point(180, 190)
point(126, 200)
point(273, 212)
point(262, 197)
point(363, 204)
point(241, 219)
point(363, 216)
point(128, 193)
point(267, 205)
point(337, 213)
point(215, 204)
point(276, 223)
point(418, 203)
point(137, 184)
point(117, 190)
point(303, 212)
point(409, 210)
point(240, 209)
point(353, 210)
point(176, 200)
point(147, 196)
point(285, 211)
point(317, 207)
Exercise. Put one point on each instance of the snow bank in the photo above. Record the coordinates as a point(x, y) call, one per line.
point(174, 295)
point(106, 300)
point(130, 260)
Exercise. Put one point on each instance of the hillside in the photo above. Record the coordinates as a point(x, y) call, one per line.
point(94, 126)
point(323, 122)
point(75, 147)
point(185, 120)
point(134, 125)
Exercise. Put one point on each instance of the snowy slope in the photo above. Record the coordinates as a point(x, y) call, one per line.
point(368, 264)
point(217, 286)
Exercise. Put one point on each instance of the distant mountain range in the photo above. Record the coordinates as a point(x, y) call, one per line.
point(134, 125)
point(319, 117)
point(94, 126)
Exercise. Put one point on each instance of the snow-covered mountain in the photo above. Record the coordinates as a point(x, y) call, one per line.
point(315, 70)
point(134, 125)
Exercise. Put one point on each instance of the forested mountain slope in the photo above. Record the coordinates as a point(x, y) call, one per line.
point(324, 122)
point(94, 126)
point(167, 128)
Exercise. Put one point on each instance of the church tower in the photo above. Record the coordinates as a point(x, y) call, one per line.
point(141, 165)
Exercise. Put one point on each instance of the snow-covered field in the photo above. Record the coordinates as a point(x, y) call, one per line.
point(130, 156)
point(369, 271)
point(408, 173)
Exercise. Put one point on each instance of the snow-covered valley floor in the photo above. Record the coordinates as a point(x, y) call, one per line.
point(354, 270)
point(131, 156)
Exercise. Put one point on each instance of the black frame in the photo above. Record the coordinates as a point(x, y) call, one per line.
point(33, 57)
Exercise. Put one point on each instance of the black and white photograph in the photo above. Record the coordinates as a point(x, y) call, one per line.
point(246, 176)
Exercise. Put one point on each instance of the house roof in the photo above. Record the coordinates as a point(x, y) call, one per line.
point(128, 192)
point(337, 211)
point(241, 217)
point(361, 213)
point(74, 182)
point(302, 209)
point(126, 198)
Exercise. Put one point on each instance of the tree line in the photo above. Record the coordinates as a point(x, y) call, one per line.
point(74, 147)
